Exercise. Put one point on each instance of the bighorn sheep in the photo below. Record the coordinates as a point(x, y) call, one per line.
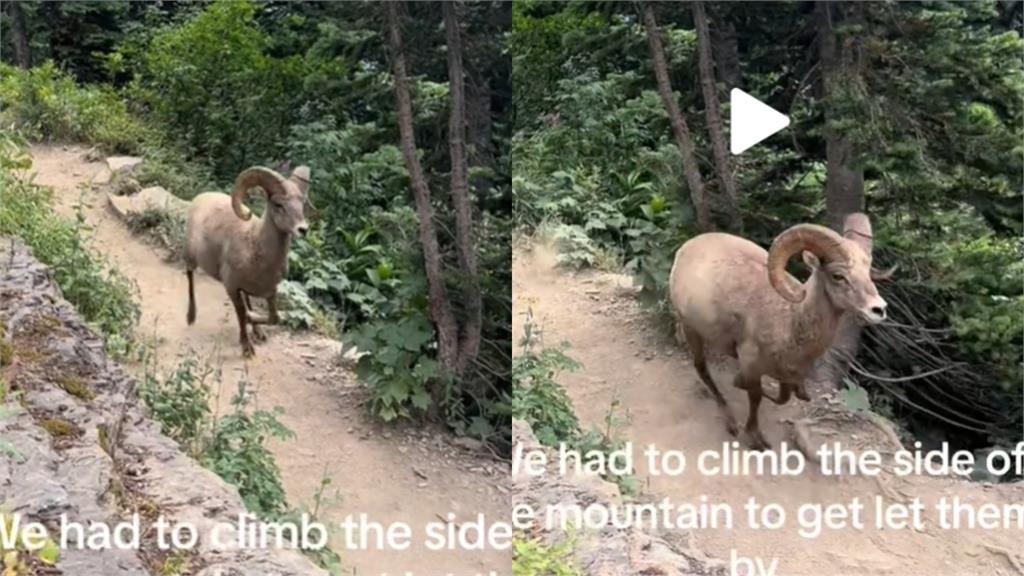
point(728, 293)
point(248, 256)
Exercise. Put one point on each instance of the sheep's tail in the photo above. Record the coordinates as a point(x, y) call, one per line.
point(191, 317)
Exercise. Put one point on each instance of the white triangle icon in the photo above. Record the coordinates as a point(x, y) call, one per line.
point(751, 121)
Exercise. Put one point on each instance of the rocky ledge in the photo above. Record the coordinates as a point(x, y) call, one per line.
point(79, 444)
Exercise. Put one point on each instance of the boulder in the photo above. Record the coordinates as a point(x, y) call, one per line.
point(152, 198)
point(102, 177)
point(121, 163)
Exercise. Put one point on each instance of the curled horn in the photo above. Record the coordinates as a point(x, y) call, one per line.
point(818, 240)
point(265, 178)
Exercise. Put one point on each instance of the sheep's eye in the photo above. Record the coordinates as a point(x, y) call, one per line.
point(838, 278)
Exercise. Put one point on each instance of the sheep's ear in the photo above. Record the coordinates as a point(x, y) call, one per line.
point(811, 260)
point(301, 178)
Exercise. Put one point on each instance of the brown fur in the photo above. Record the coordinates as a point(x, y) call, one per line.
point(723, 299)
point(249, 256)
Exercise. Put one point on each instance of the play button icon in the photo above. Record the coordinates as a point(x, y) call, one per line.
point(751, 121)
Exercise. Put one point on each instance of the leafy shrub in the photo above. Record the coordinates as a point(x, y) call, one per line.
point(537, 398)
point(534, 558)
point(210, 84)
point(237, 452)
point(540, 401)
point(234, 446)
point(181, 402)
point(100, 293)
point(401, 366)
point(18, 560)
point(46, 103)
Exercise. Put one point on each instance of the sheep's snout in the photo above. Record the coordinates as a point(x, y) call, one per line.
point(874, 312)
point(301, 229)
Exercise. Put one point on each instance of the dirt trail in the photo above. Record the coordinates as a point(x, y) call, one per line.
point(624, 358)
point(390, 474)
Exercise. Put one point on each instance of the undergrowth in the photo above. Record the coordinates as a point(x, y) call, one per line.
point(539, 400)
point(103, 296)
point(535, 558)
point(30, 555)
point(47, 104)
point(232, 445)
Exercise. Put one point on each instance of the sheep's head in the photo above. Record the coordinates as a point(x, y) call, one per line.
point(842, 264)
point(286, 197)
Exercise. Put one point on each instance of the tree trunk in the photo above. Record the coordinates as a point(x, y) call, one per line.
point(440, 306)
point(479, 129)
point(19, 36)
point(465, 244)
point(844, 191)
point(679, 127)
point(727, 54)
point(723, 166)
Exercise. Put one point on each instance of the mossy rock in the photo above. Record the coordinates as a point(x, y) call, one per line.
point(59, 428)
point(6, 352)
point(76, 387)
point(40, 327)
point(6, 349)
point(29, 355)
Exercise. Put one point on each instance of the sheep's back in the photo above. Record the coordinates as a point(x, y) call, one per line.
point(717, 281)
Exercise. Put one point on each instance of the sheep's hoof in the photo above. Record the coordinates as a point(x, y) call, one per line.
point(731, 426)
point(757, 441)
point(258, 334)
point(247, 350)
point(801, 393)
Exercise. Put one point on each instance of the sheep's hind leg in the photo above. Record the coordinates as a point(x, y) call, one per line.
point(257, 331)
point(238, 299)
point(696, 344)
point(191, 316)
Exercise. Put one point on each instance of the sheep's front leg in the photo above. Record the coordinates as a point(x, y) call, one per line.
point(238, 299)
point(257, 332)
point(753, 430)
point(785, 392)
point(272, 318)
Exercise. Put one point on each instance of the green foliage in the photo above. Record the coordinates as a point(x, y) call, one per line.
point(18, 560)
point(606, 440)
point(210, 83)
point(541, 402)
point(324, 557)
point(164, 227)
point(101, 294)
point(855, 398)
point(180, 402)
point(237, 452)
point(537, 398)
point(234, 446)
point(400, 370)
point(534, 558)
point(46, 103)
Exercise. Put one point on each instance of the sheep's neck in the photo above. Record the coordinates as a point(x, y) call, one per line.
point(816, 319)
point(271, 247)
